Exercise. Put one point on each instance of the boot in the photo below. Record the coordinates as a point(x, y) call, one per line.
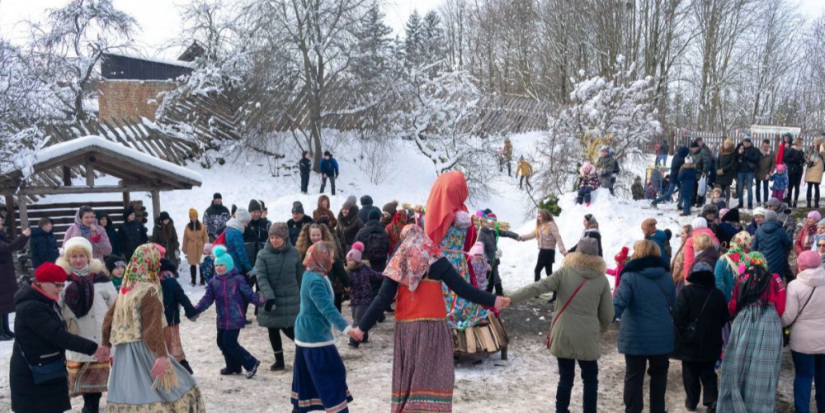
point(185, 365)
point(91, 402)
point(4, 336)
point(353, 343)
point(7, 328)
point(279, 362)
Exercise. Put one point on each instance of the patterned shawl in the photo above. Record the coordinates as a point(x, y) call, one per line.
point(144, 267)
point(740, 247)
point(80, 293)
point(413, 258)
point(394, 228)
point(318, 258)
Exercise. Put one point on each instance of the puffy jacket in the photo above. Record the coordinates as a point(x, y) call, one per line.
point(255, 236)
point(348, 227)
point(677, 161)
point(690, 252)
point(237, 250)
point(215, 218)
point(167, 237)
point(305, 166)
point(808, 331)
point(229, 292)
point(101, 247)
point(366, 207)
point(377, 258)
point(279, 272)
point(548, 237)
point(794, 159)
point(774, 244)
point(779, 181)
point(607, 166)
point(813, 173)
point(702, 302)
point(173, 299)
point(701, 159)
point(132, 235)
point(318, 315)
point(660, 238)
point(748, 161)
point(362, 279)
point(687, 179)
point(44, 247)
point(487, 237)
point(329, 167)
point(727, 164)
point(644, 302)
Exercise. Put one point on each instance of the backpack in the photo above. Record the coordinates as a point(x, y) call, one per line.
point(376, 247)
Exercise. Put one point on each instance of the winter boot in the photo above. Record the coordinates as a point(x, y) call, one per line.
point(279, 362)
point(4, 336)
point(251, 373)
point(353, 343)
point(226, 372)
point(91, 402)
point(185, 365)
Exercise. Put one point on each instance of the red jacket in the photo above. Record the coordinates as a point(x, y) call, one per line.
point(799, 243)
point(774, 294)
point(690, 254)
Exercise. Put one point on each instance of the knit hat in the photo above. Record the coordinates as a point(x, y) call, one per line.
point(326, 153)
point(689, 160)
point(477, 249)
point(699, 223)
point(297, 207)
point(759, 211)
point(703, 266)
point(374, 215)
point(128, 211)
point(770, 215)
point(588, 246)
point(694, 144)
point(114, 261)
point(808, 259)
point(243, 215)
point(710, 209)
point(649, 226)
point(821, 223)
point(279, 230)
point(207, 249)
point(780, 168)
point(163, 216)
point(193, 213)
point(391, 208)
point(254, 206)
point(167, 265)
point(815, 215)
point(723, 212)
point(217, 196)
point(356, 252)
point(746, 139)
point(48, 272)
point(774, 202)
point(77, 244)
point(222, 257)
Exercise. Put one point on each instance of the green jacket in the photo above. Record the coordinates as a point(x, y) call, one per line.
point(279, 272)
point(576, 333)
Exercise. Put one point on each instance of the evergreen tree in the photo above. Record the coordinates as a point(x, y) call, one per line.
point(433, 38)
point(414, 40)
point(374, 46)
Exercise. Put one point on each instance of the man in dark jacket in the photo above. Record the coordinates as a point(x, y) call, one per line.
point(299, 219)
point(366, 208)
point(328, 169)
point(773, 242)
point(131, 234)
point(767, 163)
point(747, 159)
point(794, 160)
point(256, 233)
point(489, 238)
point(701, 313)
point(305, 166)
point(43, 243)
point(675, 164)
point(607, 168)
point(726, 168)
point(375, 240)
point(215, 217)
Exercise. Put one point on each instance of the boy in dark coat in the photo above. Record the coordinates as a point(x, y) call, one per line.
point(376, 242)
point(43, 243)
point(105, 221)
point(701, 313)
point(305, 166)
point(173, 299)
point(131, 234)
point(366, 207)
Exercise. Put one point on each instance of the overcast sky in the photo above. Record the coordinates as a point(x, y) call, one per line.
point(160, 22)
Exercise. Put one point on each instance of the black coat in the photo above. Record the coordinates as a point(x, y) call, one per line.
point(366, 207)
point(348, 227)
point(44, 247)
point(41, 333)
point(294, 228)
point(255, 236)
point(677, 162)
point(708, 343)
point(794, 160)
point(173, 298)
point(305, 166)
point(748, 161)
point(131, 235)
point(111, 232)
point(8, 277)
point(377, 257)
point(727, 163)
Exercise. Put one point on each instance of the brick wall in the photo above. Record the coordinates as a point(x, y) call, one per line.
point(130, 99)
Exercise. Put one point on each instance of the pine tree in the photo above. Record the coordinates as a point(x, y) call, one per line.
point(433, 37)
point(374, 46)
point(414, 40)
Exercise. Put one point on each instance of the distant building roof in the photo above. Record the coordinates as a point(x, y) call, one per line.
point(194, 51)
point(121, 66)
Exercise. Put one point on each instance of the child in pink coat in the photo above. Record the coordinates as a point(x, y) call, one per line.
point(621, 259)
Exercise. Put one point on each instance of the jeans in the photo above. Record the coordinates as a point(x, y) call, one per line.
point(744, 180)
point(304, 183)
point(521, 181)
point(698, 376)
point(668, 193)
point(567, 374)
point(810, 368)
point(634, 380)
point(763, 185)
point(661, 159)
point(584, 195)
point(684, 199)
point(331, 183)
point(234, 355)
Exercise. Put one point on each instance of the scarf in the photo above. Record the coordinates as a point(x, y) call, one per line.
point(755, 281)
point(413, 258)
point(810, 232)
point(740, 247)
point(318, 258)
point(45, 294)
point(446, 198)
point(144, 267)
point(80, 293)
point(395, 227)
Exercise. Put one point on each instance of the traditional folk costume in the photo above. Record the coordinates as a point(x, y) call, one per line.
point(134, 327)
point(319, 378)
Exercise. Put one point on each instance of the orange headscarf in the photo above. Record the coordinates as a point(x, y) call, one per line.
point(446, 198)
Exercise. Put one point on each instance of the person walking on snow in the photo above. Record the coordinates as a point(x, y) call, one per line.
point(329, 170)
point(508, 154)
point(215, 217)
point(675, 165)
point(305, 166)
point(526, 171)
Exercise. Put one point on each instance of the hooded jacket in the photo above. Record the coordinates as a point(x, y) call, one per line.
point(366, 207)
point(576, 333)
point(348, 227)
point(131, 235)
point(321, 211)
point(687, 180)
point(644, 302)
point(229, 292)
point(111, 232)
point(44, 247)
point(808, 331)
point(279, 272)
point(700, 301)
point(660, 238)
point(774, 244)
point(101, 247)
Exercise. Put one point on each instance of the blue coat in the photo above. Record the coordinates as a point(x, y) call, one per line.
point(660, 238)
point(313, 327)
point(644, 302)
point(329, 167)
point(229, 292)
point(687, 180)
point(725, 276)
point(44, 247)
point(677, 161)
point(237, 250)
point(773, 242)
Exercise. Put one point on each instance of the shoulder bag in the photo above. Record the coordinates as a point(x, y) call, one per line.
point(786, 332)
point(564, 307)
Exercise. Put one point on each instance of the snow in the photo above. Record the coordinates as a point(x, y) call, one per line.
point(26, 163)
point(172, 62)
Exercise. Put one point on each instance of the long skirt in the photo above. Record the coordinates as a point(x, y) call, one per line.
point(171, 335)
point(423, 374)
point(132, 387)
point(753, 357)
point(319, 380)
point(90, 377)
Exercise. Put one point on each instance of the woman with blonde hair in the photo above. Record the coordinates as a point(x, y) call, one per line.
point(644, 302)
point(547, 235)
point(677, 266)
point(705, 250)
point(315, 233)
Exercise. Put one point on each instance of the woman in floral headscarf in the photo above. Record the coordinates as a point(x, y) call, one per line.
point(753, 356)
point(144, 377)
point(727, 268)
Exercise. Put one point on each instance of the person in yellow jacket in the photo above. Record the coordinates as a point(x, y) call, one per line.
point(525, 170)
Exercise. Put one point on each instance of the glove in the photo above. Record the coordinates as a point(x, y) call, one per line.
point(270, 304)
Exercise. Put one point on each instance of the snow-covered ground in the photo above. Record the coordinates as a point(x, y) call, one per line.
point(525, 383)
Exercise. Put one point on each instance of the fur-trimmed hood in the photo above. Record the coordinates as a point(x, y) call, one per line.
point(97, 267)
point(589, 266)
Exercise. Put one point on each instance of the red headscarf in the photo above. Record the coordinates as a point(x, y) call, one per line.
point(446, 198)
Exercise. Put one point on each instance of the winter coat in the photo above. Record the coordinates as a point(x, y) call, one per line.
point(701, 302)
point(487, 237)
point(43, 246)
point(660, 238)
point(366, 207)
point(508, 150)
point(229, 292)
point(726, 272)
point(779, 181)
point(329, 167)
point(800, 243)
point(638, 191)
point(173, 299)
point(348, 227)
point(775, 294)
point(794, 159)
point(131, 235)
point(8, 276)
point(215, 218)
point(318, 315)
point(377, 251)
point(588, 181)
point(774, 244)
point(548, 237)
point(690, 253)
point(362, 280)
point(305, 166)
point(644, 302)
point(688, 176)
point(279, 272)
point(815, 165)
point(767, 163)
point(677, 162)
point(524, 168)
point(748, 161)
point(606, 166)
point(808, 331)
point(167, 237)
point(237, 250)
point(101, 247)
point(193, 243)
point(576, 332)
point(41, 334)
point(89, 326)
point(294, 228)
point(726, 163)
point(591, 233)
point(255, 237)
point(111, 232)
point(702, 160)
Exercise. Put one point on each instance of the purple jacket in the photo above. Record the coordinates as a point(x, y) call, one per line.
point(361, 280)
point(228, 292)
point(101, 247)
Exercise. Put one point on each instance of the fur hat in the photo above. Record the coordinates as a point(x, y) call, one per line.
point(815, 215)
point(780, 168)
point(374, 215)
point(649, 226)
point(588, 246)
point(477, 249)
point(77, 244)
point(297, 207)
point(699, 223)
point(356, 252)
point(193, 213)
point(279, 230)
point(51, 273)
point(807, 260)
point(254, 205)
point(243, 215)
point(222, 257)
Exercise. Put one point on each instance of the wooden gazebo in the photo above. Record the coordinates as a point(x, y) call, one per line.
point(136, 171)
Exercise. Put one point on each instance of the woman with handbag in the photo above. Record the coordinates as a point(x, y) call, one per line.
point(805, 318)
point(644, 303)
point(574, 335)
point(37, 375)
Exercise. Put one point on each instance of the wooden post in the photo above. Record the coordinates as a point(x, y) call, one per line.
point(126, 199)
point(67, 175)
point(155, 203)
point(90, 174)
point(24, 214)
point(10, 217)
